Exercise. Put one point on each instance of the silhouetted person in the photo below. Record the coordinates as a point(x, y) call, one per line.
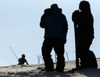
point(55, 25)
point(85, 31)
point(22, 60)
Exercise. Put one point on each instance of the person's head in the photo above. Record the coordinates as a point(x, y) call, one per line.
point(54, 6)
point(84, 6)
point(23, 55)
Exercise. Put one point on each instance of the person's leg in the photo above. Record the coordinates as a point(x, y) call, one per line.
point(46, 50)
point(59, 49)
point(84, 50)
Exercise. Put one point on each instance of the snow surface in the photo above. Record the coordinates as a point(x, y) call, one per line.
point(35, 71)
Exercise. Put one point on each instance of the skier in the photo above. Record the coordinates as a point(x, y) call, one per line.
point(22, 60)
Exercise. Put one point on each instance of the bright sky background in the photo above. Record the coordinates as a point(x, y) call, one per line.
point(19, 28)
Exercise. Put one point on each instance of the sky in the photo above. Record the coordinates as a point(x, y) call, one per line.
point(20, 29)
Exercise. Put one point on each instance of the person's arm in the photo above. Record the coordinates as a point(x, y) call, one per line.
point(27, 62)
point(42, 22)
point(75, 16)
point(65, 28)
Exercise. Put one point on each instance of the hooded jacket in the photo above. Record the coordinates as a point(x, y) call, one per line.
point(55, 24)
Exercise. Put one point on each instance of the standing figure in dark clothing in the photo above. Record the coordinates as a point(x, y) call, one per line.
point(85, 31)
point(55, 25)
point(22, 60)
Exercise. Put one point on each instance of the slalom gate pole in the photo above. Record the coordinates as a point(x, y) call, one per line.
point(67, 55)
point(42, 60)
point(55, 58)
point(38, 59)
point(14, 53)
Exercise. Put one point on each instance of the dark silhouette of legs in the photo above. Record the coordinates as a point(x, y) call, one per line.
point(59, 49)
point(46, 50)
point(58, 46)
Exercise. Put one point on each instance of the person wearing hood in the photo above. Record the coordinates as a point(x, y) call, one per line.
point(55, 25)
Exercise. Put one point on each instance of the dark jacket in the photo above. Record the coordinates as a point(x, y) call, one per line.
point(55, 24)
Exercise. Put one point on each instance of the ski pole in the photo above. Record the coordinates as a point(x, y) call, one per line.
point(14, 53)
